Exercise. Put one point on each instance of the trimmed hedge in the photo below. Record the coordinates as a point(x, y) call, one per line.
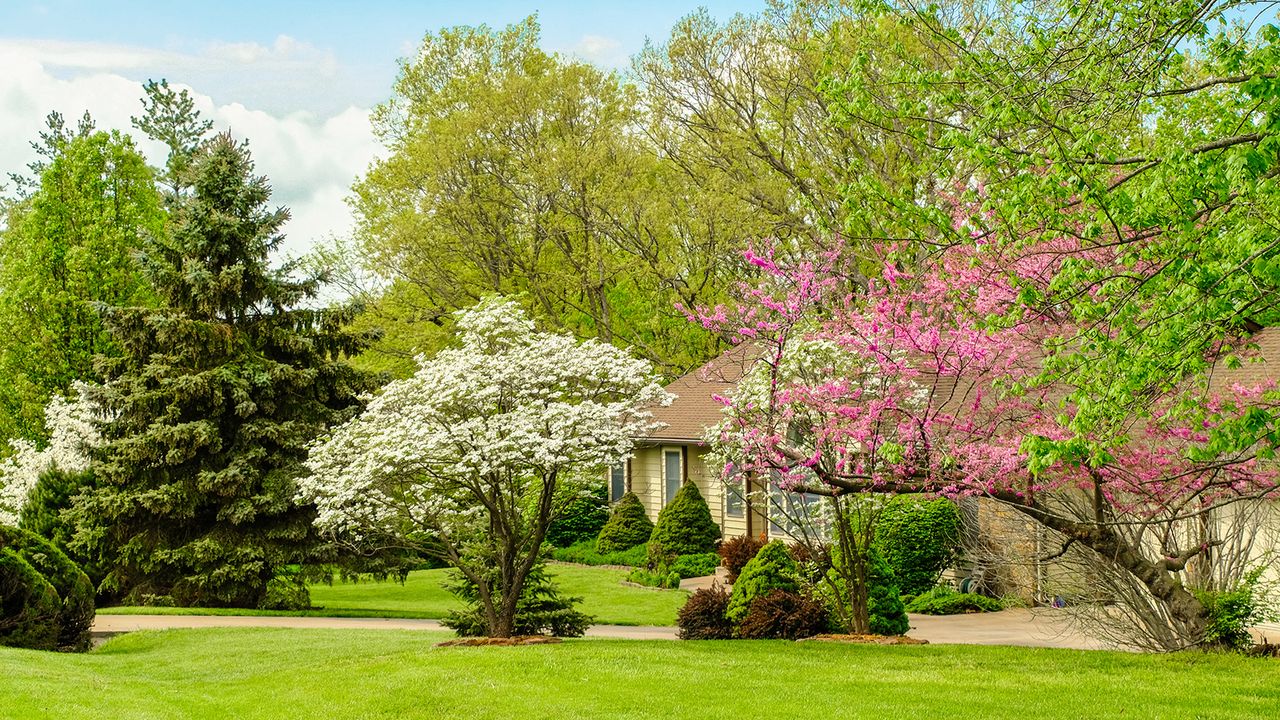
point(771, 569)
point(29, 606)
point(582, 518)
point(700, 565)
point(627, 527)
point(685, 526)
point(918, 538)
point(943, 600)
point(72, 588)
point(584, 553)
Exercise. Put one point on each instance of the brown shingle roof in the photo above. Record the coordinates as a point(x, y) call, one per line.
point(695, 409)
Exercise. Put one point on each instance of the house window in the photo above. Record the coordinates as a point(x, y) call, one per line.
point(673, 470)
point(735, 504)
point(617, 482)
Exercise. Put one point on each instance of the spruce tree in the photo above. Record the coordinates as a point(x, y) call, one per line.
point(215, 397)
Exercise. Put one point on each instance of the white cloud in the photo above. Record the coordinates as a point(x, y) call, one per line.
point(310, 157)
point(601, 50)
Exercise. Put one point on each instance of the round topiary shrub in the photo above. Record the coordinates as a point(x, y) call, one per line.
point(581, 519)
point(885, 610)
point(702, 617)
point(29, 606)
point(784, 615)
point(736, 552)
point(685, 526)
point(771, 569)
point(74, 619)
point(918, 538)
point(627, 527)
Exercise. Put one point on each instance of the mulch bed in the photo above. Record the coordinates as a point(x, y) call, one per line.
point(870, 639)
point(501, 642)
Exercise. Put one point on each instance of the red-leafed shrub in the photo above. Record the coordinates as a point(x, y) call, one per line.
point(785, 615)
point(735, 553)
point(702, 617)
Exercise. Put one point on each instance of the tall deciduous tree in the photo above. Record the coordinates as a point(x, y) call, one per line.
point(483, 447)
point(213, 400)
point(66, 246)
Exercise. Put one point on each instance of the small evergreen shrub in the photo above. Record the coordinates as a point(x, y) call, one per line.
point(286, 592)
point(700, 565)
point(884, 605)
point(771, 569)
point(73, 589)
point(29, 606)
point(736, 552)
point(53, 493)
point(918, 538)
point(780, 614)
point(540, 610)
point(942, 600)
point(627, 527)
point(702, 617)
point(685, 526)
point(660, 578)
point(584, 553)
point(582, 518)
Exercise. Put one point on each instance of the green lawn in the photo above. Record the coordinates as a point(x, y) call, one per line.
point(273, 673)
point(421, 596)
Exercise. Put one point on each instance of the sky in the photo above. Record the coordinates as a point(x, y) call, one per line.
point(297, 78)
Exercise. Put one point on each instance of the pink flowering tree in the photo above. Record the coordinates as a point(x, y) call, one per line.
point(946, 374)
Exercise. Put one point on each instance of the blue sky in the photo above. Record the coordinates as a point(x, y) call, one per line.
point(297, 78)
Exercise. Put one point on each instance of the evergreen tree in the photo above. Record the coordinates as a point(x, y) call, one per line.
point(214, 398)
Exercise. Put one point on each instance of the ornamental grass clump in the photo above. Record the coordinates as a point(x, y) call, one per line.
point(771, 569)
point(627, 527)
point(685, 526)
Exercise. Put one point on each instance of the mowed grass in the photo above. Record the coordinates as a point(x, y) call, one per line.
point(423, 596)
point(278, 673)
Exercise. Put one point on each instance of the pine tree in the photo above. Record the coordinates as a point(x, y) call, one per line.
point(215, 397)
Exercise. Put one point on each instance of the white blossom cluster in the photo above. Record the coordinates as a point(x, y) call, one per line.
point(73, 431)
point(507, 408)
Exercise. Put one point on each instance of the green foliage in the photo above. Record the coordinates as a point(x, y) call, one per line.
point(540, 609)
point(46, 514)
point(582, 518)
point(585, 553)
point(64, 248)
point(29, 606)
point(73, 589)
point(884, 605)
point(628, 526)
point(659, 577)
point(918, 538)
point(1229, 614)
point(702, 616)
point(695, 565)
point(736, 552)
point(943, 600)
point(784, 615)
point(215, 397)
point(685, 526)
point(771, 569)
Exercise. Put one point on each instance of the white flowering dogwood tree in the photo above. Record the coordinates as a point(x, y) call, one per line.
point(482, 448)
point(72, 423)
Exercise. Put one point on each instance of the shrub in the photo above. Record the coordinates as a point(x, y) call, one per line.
point(783, 615)
point(1229, 614)
point(581, 519)
point(918, 538)
point(287, 591)
point(942, 600)
point(29, 606)
point(660, 578)
point(812, 562)
point(627, 527)
point(74, 618)
point(702, 617)
point(685, 526)
point(53, 493)
point(540, 609)
point(584, 553)
point(771, 569)
point(884, 606)
point(736, 552)
point(689, 566)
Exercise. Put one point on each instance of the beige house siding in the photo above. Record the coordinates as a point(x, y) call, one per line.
point(648, 482)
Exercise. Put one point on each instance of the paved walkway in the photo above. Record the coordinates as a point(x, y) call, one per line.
point(1030, 628)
